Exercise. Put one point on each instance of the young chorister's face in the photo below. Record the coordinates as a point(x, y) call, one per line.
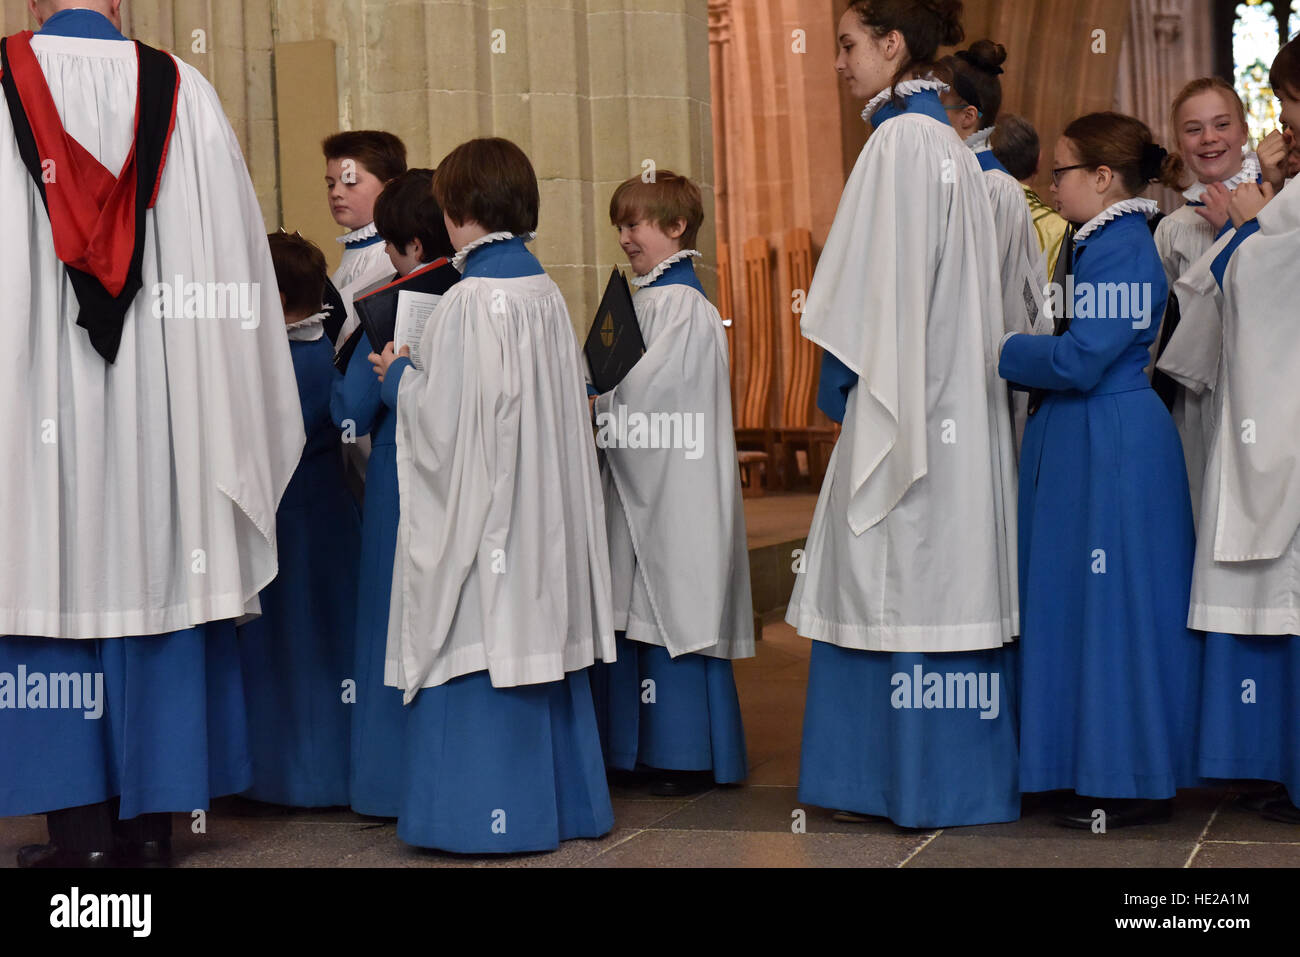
point(353, 190)
point(1080, 193)
point(1210, 136)
point(646, 244)
point(866, 63)
point(1290, 117)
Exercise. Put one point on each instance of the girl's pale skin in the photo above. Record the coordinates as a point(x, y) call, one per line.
point(1083, 193)
point(1210, 137)
point(352, 191)
point(963, 117)
point(866, 63)
point(461, 235)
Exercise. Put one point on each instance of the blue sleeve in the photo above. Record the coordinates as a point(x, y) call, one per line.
point(1076, 361)
point(1220, 264)
point(393, 379)
point(833, 388)
point(592, 390)
point(355, 394)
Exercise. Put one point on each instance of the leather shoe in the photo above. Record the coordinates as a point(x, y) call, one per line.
point(1281, 810)
point(145, 853)
point(51, 855)
point(1124, 812)
point(681, 783)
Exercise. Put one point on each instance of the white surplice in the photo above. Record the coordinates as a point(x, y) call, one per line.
point(913, 542)
point(502, 561)
point(1241, 346)
point(676, 523)
point(140, 496)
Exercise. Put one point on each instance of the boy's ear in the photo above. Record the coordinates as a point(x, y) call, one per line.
point(416, 248)
point(677, 230)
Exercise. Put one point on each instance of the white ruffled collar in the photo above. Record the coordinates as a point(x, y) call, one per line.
point(906, 88)
point(979, 140)
point(1148, 207)
point(357, 235)
point(463, 254)
point(306, 330)
point(640, 282)
point(1248, 173)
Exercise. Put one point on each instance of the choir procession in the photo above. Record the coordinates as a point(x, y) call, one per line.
point(411, 538)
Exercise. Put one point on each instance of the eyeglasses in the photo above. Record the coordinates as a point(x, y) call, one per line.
point(962, 106)
point(1056, 173)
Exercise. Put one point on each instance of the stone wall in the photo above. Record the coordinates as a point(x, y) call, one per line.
point(591, 89)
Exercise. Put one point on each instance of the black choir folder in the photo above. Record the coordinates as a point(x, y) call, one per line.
point(614, 344)
point(377, 309)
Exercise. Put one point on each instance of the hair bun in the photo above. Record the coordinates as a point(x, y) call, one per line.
point(949, 14)
point(986, 56)
point(1153, 161)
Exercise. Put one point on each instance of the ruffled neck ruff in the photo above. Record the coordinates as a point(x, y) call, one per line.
point(306, 330)
point(979, 140)
point(640, 282)
point(1248, 173)
point(459, 259)
point(358, 235)
point(906, 88)
point(1147, 207)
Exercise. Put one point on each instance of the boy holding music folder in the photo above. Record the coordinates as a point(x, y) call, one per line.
point(500, 599)
point(410, 223)
point(675, 522)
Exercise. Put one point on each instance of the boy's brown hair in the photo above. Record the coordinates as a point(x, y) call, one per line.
point(300, 272)
point(406, 211)
point(663, 202)
point(489, 181)
point(380, 152)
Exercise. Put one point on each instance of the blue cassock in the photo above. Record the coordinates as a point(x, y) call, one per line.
point(695, 723)
point(378, 718)
point(172, 732)
point(298, 654)
point(1110, 696)
point(469, 744)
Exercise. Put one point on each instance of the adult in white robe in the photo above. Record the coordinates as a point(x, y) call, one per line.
point(140, 494)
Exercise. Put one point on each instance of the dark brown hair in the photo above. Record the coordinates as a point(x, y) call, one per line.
point(1015, 144)
point(1284, 74)
point(380, 152)
point(973, 76)
point(1173, 173)
point(1123, 143)
point(666, 200)
point(300, 272)
point(925, 25)
point(491, 182)
point(406, 211)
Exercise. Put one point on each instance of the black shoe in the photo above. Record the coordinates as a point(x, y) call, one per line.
point(1126, 812)
point(1258, 800)
point(681, 783)
point(145, 853)
point(51, 855)
point(1281, 810)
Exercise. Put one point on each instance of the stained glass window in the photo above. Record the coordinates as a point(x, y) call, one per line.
point(1256, 38)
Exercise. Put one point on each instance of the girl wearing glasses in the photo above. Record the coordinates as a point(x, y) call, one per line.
point(1111, 674)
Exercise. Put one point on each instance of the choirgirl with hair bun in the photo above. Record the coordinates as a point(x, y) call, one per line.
point(1238, 334)
point(907, 584)
point(972, 103)
point(1110, 672)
